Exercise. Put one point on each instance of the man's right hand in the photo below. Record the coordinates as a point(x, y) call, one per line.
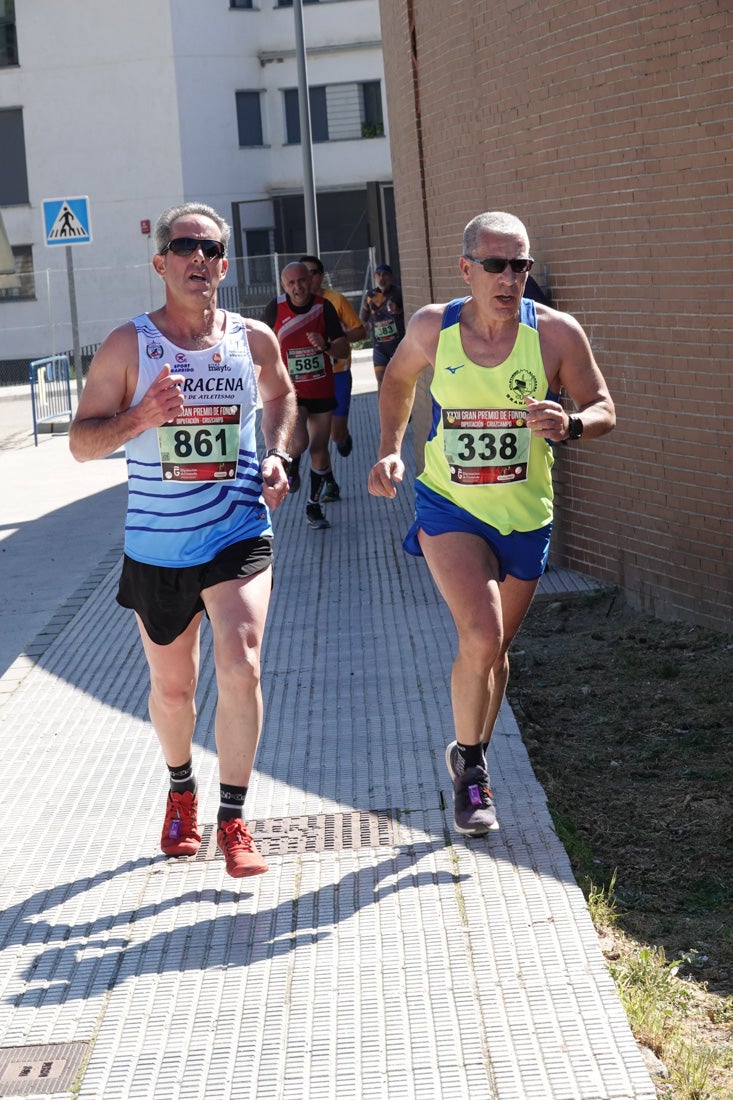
point(385, 476)
point(163, 401)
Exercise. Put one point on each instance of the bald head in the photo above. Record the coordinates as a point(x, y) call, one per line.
point(296, 283)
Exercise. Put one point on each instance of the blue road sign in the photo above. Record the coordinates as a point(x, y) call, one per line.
point(67, 221)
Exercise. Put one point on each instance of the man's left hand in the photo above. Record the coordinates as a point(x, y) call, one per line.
point(316, 340)
point(275, 485)
point(547, 419)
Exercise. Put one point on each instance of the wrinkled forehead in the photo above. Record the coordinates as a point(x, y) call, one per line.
point(510, 245)
point(292, 273)
point(195, 225)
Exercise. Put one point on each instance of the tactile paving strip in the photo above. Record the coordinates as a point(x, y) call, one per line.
point(311, 833)
point(431, 968)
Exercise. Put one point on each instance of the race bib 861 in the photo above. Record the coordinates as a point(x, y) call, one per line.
point(201, 444)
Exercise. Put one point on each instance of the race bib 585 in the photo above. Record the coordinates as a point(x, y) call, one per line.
point(306, 364)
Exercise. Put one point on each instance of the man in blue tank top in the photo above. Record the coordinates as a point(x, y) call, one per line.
point(383, 314)
point(484, 499)
point(178, 387)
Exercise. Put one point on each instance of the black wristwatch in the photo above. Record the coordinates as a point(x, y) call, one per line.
point(284, 457)
point(575, 427)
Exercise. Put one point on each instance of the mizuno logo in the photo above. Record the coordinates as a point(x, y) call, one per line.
point(454, 369)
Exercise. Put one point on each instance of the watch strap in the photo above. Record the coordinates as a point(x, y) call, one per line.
point(575, 427)
point(284, 457)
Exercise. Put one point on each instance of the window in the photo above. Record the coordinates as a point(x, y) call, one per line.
point(249, 119)
point(260, 244)
point(289, 3)
point(23, 256)
point(319, 118)
point(13, 175)
point(8, 41)
point(247, 4)
point(339, 112)
point(372, 123)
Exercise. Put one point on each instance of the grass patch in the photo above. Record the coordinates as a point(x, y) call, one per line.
point(661, 1006)
point(628, 722)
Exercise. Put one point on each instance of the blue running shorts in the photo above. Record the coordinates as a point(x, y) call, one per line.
point(342, 386)
point(522, 554)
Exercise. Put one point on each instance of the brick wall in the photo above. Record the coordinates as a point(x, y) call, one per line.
point(606, 127)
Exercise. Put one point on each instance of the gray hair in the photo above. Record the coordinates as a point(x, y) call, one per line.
point(188, 210)
point(292, 264)
point(493, 221)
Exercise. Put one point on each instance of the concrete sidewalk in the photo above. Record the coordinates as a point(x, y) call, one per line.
point(383, 955)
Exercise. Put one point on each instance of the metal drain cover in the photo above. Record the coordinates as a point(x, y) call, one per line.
point(281, 836)
point(34, 1070)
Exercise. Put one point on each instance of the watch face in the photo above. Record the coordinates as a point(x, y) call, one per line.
point(575, 428)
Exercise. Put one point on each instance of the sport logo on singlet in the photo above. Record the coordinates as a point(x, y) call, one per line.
point(521, 384)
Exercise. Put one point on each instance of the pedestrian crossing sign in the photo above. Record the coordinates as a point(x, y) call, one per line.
point(66, 221)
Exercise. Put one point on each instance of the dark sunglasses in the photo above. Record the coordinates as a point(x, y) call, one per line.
point(186, 246)
point(495, 265)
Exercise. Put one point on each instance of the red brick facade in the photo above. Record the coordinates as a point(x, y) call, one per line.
point(606, 126)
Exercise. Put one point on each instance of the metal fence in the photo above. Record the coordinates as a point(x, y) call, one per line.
point(50, 381)
point(40, 327)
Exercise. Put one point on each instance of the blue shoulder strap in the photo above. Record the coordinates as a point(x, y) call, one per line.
point(452, 312)
point(528, 313)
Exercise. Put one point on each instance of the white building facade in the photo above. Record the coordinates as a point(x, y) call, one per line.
point(142, 105)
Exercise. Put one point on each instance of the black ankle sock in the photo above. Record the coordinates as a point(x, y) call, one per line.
point(231, 802)
point(182, 778)
point(318, 480)
point(472, 756)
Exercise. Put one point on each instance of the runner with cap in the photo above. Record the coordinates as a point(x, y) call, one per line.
point(384, 316)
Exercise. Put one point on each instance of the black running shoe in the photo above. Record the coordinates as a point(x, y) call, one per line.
point(315, 518)
point(345, 448)
point(331, 492)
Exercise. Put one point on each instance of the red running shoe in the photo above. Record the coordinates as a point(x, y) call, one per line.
point(181, 836)
point(235, 841)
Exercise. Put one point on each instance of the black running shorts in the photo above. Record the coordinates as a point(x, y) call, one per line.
point(168, 599)
point(317, 404)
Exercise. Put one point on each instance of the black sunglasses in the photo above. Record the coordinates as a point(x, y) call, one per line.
point(186, 246)
point(495, 265)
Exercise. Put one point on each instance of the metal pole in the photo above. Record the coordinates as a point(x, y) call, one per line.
point(306, 143)
point(74, 319)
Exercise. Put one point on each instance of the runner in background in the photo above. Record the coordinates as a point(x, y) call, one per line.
point(309, 333)
point(353, 331)
point(383, 313)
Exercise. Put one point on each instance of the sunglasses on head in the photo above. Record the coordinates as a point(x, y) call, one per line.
point(495, 265)
point(186, 246)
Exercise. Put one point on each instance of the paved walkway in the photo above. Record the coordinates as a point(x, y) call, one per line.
point(383, 955)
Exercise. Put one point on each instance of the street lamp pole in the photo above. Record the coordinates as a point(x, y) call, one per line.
point(306, 143)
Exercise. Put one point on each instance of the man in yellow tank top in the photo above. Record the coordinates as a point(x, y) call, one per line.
point(484, 500)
